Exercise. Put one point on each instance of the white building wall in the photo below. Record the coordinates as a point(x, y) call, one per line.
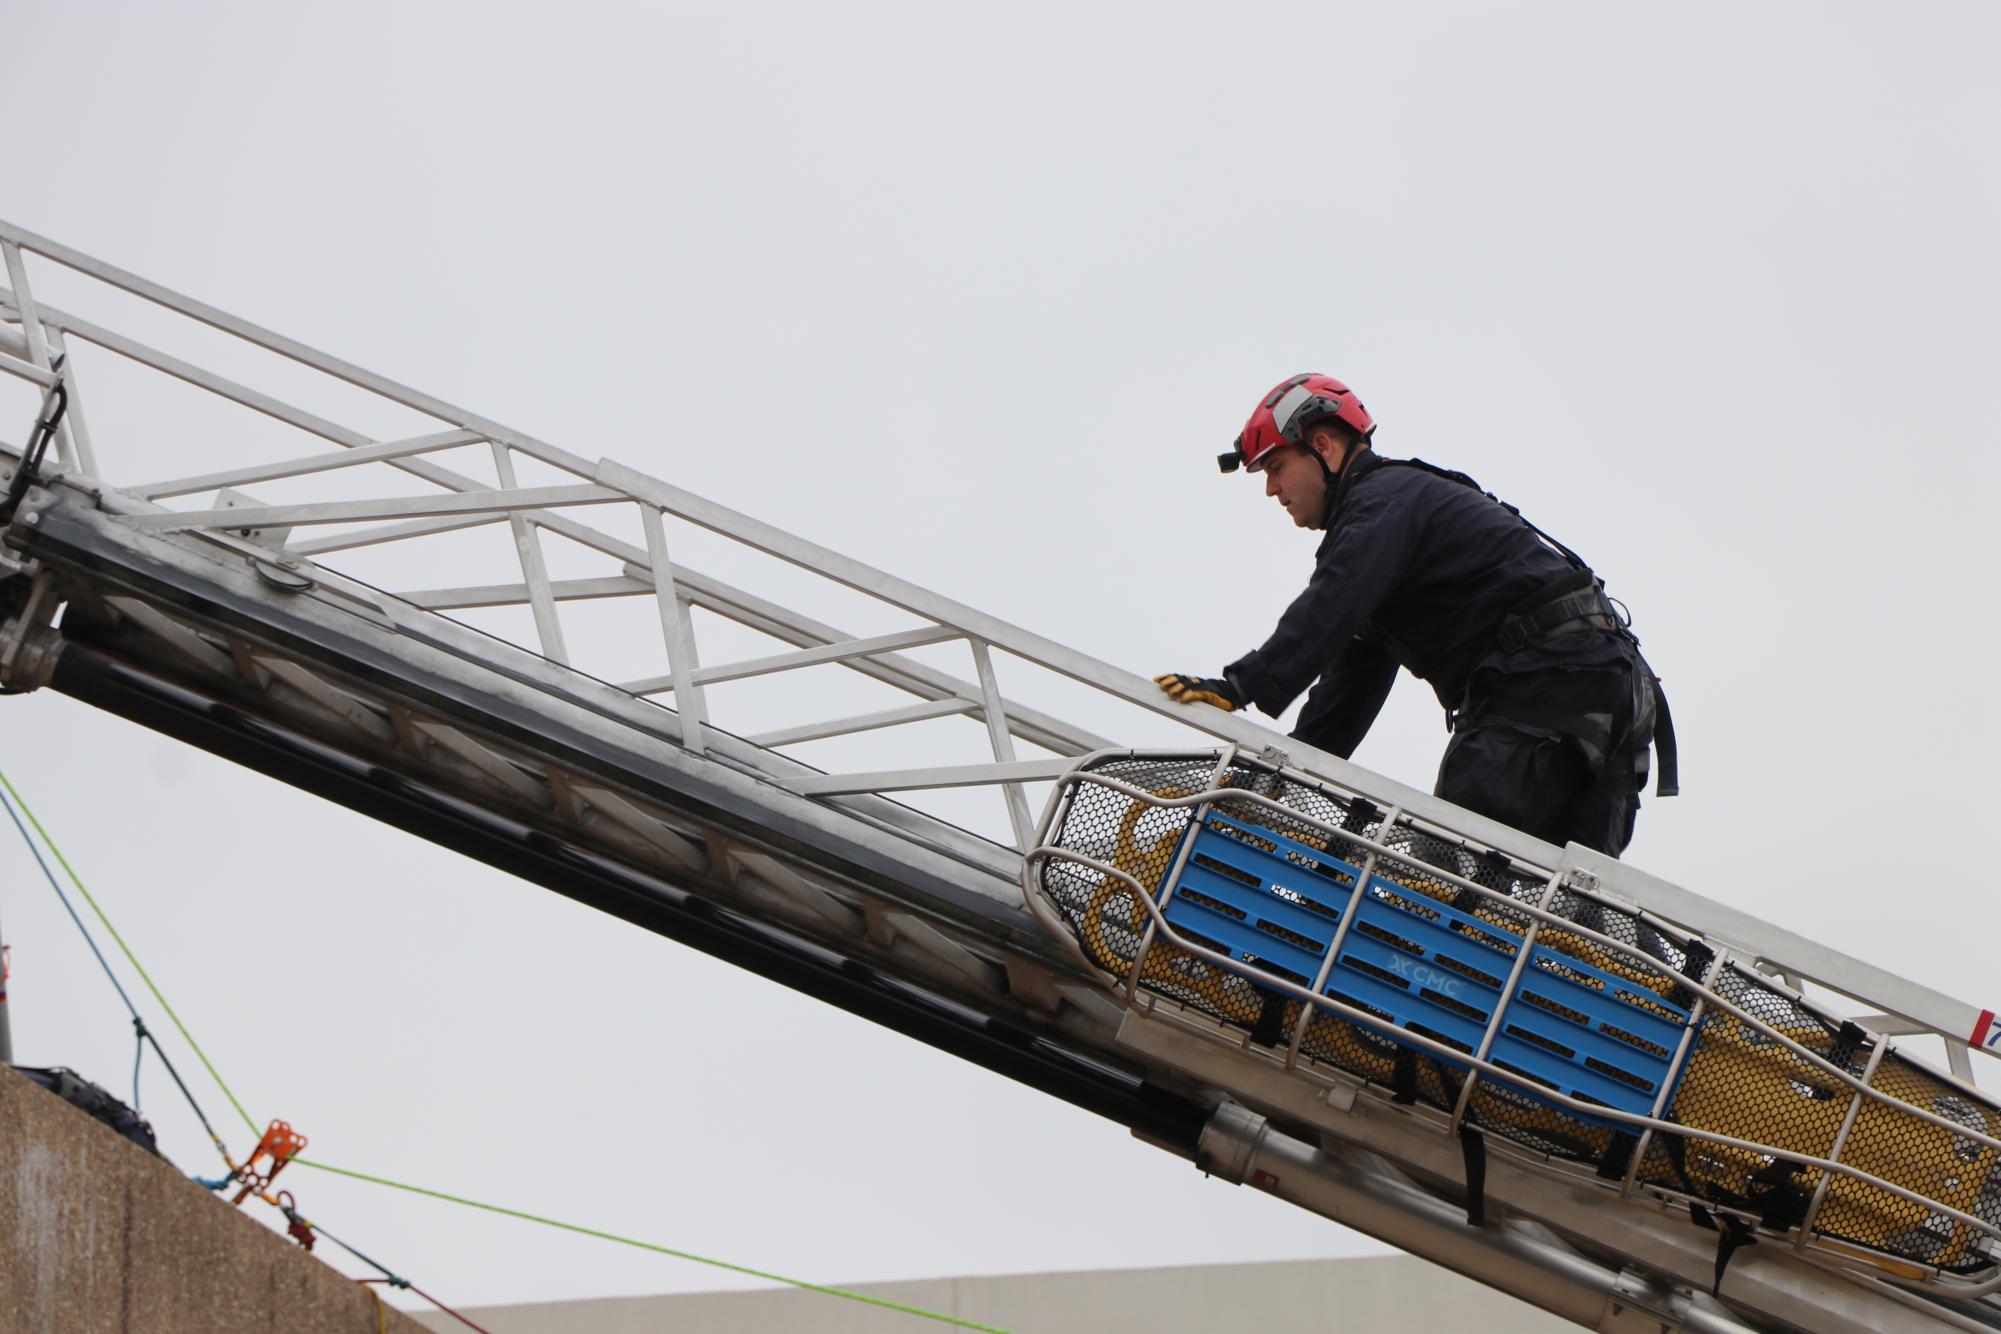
point(1388, 1292)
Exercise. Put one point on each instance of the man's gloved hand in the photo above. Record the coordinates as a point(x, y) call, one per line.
point(1220, 691)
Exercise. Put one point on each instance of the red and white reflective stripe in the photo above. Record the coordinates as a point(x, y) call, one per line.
point(1984, 1032)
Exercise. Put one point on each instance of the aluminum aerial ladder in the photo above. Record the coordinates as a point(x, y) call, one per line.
point(1295, 973)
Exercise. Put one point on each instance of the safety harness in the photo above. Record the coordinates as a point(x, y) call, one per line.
point(1575, 604)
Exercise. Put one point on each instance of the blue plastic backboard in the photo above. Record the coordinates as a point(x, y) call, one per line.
point(1273, 904)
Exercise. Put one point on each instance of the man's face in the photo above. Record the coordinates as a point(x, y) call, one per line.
point(1294, 478)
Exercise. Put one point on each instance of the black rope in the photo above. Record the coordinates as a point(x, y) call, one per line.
point(389, 1275)
point(147, 1034)
point(138, 1054)
point(54, 405)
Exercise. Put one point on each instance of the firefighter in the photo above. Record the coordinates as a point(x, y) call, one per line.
point(1550, 705)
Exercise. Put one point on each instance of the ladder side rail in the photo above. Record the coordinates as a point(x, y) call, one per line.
point(252, 398)
point(1825, 967)
point(186, 371)
point(365, 450)
point(734, 604)
point(850, 652)
point(450, 651)
point(289, 348)
point(345, 597)
point(928, 683)
point(309, 514)
point(1040, 651)
point(548, 625)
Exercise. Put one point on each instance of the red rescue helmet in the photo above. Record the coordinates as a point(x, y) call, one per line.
point(1288, 411)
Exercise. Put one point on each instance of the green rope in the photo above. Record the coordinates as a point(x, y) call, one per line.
point(649, 1246)
point(130, 957)
point(438, 1194)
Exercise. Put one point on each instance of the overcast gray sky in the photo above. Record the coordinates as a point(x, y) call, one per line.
point(975, 295)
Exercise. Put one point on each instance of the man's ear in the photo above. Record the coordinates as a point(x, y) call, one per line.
point(1331, 445)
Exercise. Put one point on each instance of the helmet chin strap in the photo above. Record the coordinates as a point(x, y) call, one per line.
point(1334, 476)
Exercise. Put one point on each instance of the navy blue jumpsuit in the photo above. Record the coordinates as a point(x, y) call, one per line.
point(1421, 571)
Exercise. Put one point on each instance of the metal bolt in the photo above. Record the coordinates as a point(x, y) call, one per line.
point(31, 518)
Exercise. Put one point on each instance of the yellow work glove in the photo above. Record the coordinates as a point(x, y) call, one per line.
point(1220, 691)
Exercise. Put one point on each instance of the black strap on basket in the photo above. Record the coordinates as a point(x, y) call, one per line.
point(1496, 864)
point(1403, 1077)
point(1847, 1044)
point(1618, 1156)
point(1473, 1156)
point(1781, 1200)
point(1472, 1144)
point(1732, 1235)
point(1694, 967)
point(1270, 1025)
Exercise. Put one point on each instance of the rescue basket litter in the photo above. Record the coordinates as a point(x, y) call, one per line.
point(1335, 936)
